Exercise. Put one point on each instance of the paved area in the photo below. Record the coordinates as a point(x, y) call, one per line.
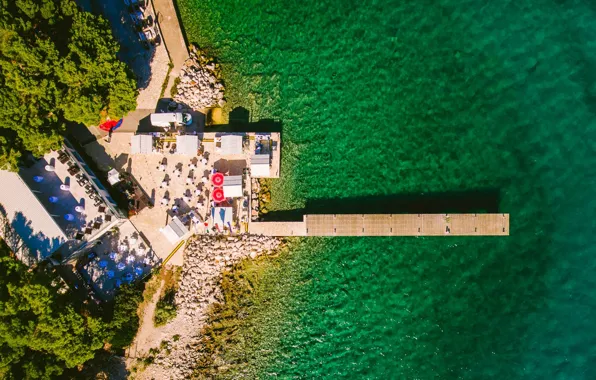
point(172, 34)
point(121, 257)
point(61, 194)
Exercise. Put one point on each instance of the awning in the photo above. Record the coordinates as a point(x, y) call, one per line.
point(175, 230)
point(222, 217)
point(141, 144)
point(232, 186)
point(187, 144)
point(113, 177)
point(259, 166)
point(231, 144)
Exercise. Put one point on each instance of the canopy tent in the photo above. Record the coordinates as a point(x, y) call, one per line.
point(187, 144)
point(113, 177)
point(231, 144)
point(259, 166)
point(175, 230)
point(141, 144)
point(232, 186)
point(221, 217)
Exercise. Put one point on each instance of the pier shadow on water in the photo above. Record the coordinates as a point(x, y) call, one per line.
point(459, 202)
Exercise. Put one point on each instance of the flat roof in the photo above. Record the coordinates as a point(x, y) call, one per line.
point(232, 186)
point(187, 144)
point(259, 165)
point(141, 144)
point(231, 144)
point(175, 230)
point(28, 217)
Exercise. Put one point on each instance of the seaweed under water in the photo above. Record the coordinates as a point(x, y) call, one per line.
point(386, 97)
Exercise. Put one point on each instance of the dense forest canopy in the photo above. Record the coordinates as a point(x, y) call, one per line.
point(57, 64)
point(43, 332)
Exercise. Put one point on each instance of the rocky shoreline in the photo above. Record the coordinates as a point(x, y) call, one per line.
point(200, 85)
point(205, 257)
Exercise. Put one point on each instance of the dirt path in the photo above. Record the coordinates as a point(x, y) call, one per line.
point(147, 331)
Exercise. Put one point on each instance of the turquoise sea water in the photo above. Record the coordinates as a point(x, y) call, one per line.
point(424, 97)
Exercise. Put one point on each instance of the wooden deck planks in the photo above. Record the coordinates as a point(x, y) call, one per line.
point(388, 225)
point(407, 225)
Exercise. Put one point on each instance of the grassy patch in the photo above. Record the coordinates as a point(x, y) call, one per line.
point(174, 89)
point(165, 309)
point(167, 80)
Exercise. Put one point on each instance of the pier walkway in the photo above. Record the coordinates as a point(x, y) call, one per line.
point(388, 225)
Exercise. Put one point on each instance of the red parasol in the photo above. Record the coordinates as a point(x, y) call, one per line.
point(217, 179)
point(218, 195)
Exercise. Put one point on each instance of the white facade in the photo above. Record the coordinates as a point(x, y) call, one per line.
point(232, 186)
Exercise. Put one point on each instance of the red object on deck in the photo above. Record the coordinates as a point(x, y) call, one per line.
point(217, 179)
point(218, 195)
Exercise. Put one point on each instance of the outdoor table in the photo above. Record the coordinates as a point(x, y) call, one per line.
point(79, 209)
point(113, 255)
point(121, 266)
point(122, 248)
point(130, 259)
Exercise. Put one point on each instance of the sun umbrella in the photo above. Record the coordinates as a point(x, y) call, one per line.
point(103, 264)
point(128, 277)
point(53, 199)
point(38, 178)
point(217, 179)
point(118, 283)
point(110, 274)
point(69, 217)
point(218, 195)
point(138, 271)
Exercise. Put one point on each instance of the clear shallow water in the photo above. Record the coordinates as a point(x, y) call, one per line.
point(426, 97)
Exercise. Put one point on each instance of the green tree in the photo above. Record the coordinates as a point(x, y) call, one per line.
point(40, 332)
point(57, 65)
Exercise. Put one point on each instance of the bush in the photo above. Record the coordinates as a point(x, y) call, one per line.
point(174, 89)
point(165, 309)
point(125, 320)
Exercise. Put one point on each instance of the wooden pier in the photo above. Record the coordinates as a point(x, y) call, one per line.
point(388, 225)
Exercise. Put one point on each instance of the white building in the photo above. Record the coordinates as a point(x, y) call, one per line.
point(141, 144)
point(259, 166)
point(232, 186)
point(187, 144)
